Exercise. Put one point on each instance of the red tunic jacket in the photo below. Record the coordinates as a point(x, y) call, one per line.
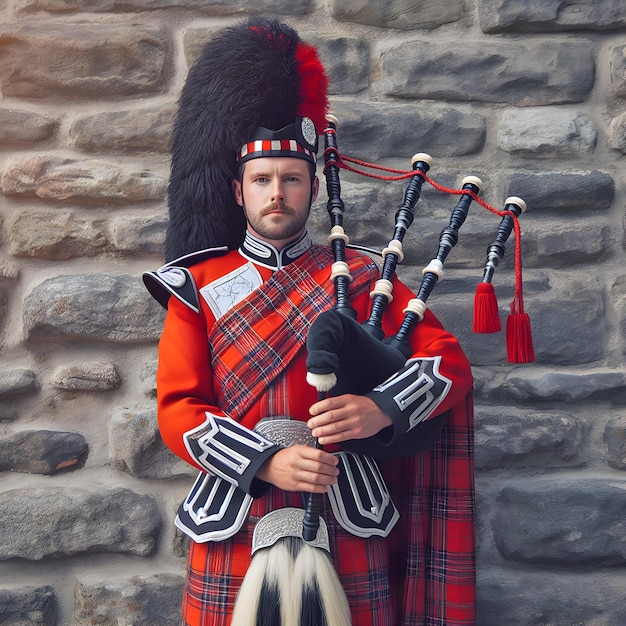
point(427, 563)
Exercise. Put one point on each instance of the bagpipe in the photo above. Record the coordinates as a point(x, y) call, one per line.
point(339, 349)
point(486, 313)
point(294, 580)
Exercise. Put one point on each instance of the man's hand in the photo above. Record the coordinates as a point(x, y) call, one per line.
point(340, 418)
point(300, 468)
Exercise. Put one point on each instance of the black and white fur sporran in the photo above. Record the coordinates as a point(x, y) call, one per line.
point(291, 584)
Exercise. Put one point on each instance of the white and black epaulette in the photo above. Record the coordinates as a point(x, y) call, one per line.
point(175, 279)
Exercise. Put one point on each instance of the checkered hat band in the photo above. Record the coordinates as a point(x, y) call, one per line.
point(275, 147)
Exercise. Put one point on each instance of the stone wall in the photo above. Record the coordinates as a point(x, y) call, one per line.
point(529, 96)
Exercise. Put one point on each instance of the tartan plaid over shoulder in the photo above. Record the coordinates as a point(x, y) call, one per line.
point(254, 342)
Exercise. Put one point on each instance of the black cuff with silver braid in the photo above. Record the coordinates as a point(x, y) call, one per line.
point(409, 397)
point(231, 451)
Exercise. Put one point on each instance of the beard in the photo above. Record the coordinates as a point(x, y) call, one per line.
point(274, 226)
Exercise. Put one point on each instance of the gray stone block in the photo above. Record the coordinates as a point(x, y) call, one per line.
point(131, 130)
point(507, 72)
point(9, 412)
point(132, 601)
point(18, 382)
point(136, 447)
point(615, 442)
point(540, 133)
point(98, 59)
point(553, 387)
point(102, 307)
point(180, 544)
point(21, 127)
point(618, 71)
point(97, 376)
point(617, 133)
point(562, 522)
point(383, 130)
point(618, 295)
point(148, 378)
point(58, 179)
point(43, 452)
point(572, 334)
point(549, 598)
point(62, 522)
point(510, 438)
point(28, 606)
point(57, 235)
point(550, 15)
point(565, 243)
point(139, 233)
point(583, 190)
point(8, 271)
point(402, 14)
point(4, 300)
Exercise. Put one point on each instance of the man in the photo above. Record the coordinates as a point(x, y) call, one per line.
point(232, 356)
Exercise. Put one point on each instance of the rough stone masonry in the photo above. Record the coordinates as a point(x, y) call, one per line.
point(529, 96)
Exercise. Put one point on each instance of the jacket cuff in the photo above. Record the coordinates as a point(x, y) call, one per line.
point(410, 397)
point(225, 448)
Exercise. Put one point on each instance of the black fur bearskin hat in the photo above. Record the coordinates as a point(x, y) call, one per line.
point(255, 75)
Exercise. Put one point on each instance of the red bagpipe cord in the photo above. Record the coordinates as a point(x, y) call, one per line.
point(519, 341)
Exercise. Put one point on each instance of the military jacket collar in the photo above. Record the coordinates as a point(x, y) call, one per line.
point(266, 254)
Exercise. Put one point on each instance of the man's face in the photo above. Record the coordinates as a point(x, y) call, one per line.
point(276, 195)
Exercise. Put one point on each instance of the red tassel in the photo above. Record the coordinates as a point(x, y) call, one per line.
point(519, 341)
point(486, 314)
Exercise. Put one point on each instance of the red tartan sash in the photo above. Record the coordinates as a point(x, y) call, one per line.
point(254, 342)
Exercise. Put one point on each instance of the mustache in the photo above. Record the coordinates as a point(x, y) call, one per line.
point(277, 206)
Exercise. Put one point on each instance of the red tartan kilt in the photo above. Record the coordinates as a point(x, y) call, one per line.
point(422, 574)
point(215, 571)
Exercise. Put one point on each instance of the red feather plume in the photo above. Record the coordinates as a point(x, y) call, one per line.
point(313, 86)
